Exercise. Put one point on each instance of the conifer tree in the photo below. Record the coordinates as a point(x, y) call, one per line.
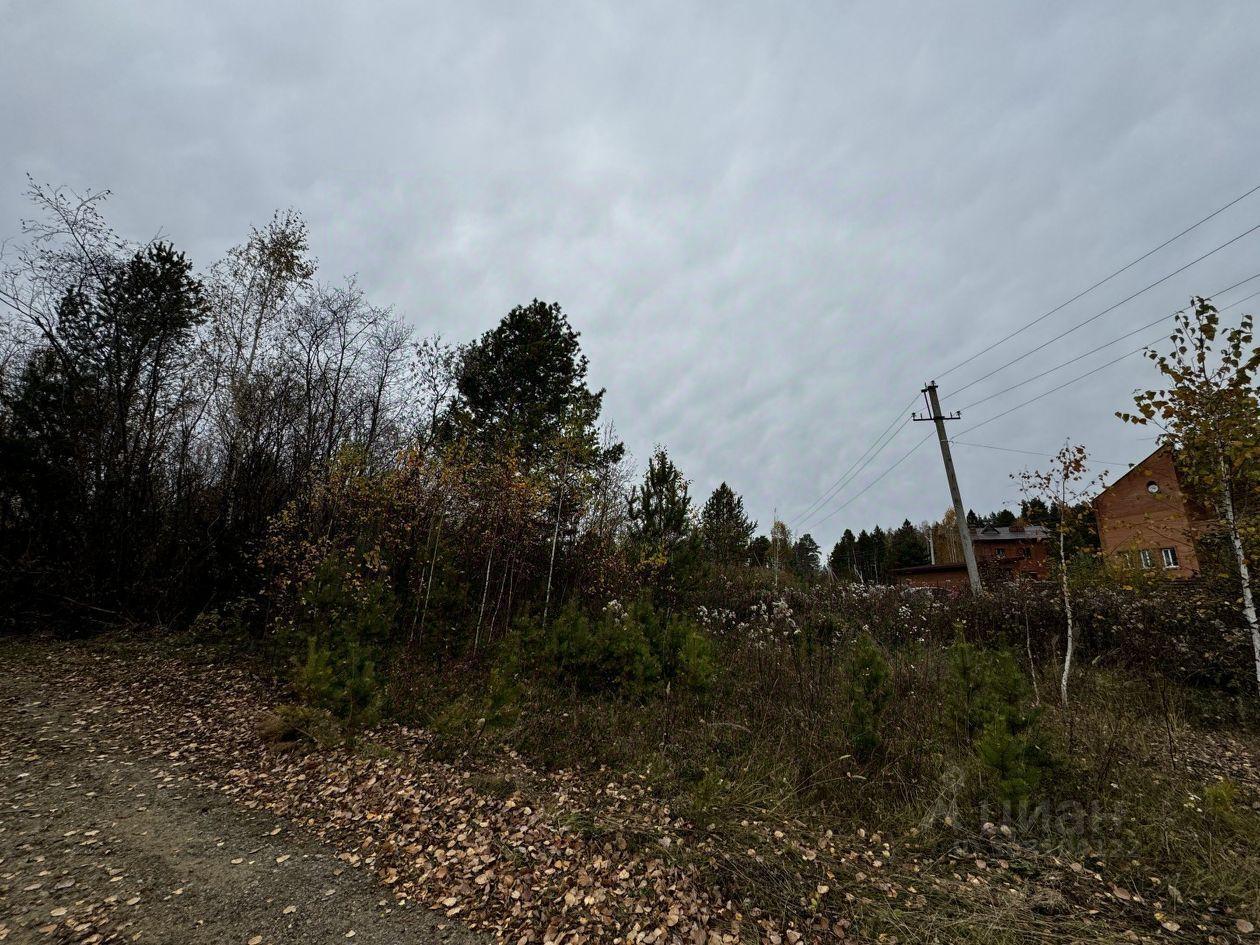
point(867, 557)
point(660, 507)
point(805, 556)
point(879, 554)
point(724, 528)
point(523, 385)
point(842, 562)
point(907, 547)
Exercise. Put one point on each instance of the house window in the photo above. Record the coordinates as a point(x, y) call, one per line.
point(1147, 559)
point(1170, 557)
point(999, 553)
point(1026, 551)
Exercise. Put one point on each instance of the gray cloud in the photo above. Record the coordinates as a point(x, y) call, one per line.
point(771, 225)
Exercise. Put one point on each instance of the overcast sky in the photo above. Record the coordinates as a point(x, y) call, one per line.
point(771, 223)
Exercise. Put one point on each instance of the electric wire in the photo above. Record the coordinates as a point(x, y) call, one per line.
point(1114, 341)
point(1109, 309)
point(1100, 367)
point(854, 468)
point(1052, 390)
point(1245, 298)
point(1008, 449)
point(1101, 282)
point(1019, 406)
point(853, 498)
point(868, 456)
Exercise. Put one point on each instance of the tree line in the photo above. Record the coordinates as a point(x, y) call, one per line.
point(176, 439)
point(246, 437)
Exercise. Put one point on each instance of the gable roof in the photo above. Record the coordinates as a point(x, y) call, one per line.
point(1136, 467)
point(1005, 533)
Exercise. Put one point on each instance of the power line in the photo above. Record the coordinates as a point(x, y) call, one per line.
point(977, 426)
point(854, 469)
point(1052, 390)
point(1099, 283)
point(1106, 311)
point(868, 456)
point(1245, 298)
point(1101, 366)
point(1032, 400)
point(1114, 341)
point(1008, 449)
point(1019, 406)
point(857, 495)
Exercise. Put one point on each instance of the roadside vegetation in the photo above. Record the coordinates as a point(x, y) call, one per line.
point(398, 531)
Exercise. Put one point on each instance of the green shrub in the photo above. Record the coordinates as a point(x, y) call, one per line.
point(632, 652)
point(342, 682)
point(464, 721)
point(339, 604)
point(345, 623)
point(990, 700)
point(1219, 799)
point(1008, 745)
point(868, 691)
point(966, 693)
point(696, 665)
point(603, 654)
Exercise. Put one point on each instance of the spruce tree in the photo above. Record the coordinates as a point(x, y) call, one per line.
point(843, 558)
point(867, 557)
point(879, 554)
point(724, 528)
point(907, 547)
point(805, 556)
point(660, 507)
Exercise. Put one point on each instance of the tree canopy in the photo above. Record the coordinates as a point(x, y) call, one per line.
point(523, 384)
point(725, 530)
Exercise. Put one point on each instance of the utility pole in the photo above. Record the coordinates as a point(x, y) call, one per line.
point(960, 514)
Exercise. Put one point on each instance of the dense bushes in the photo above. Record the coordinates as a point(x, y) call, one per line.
point(336, 639)
point(631, 651)
point(339, 628)
point(1190, 631)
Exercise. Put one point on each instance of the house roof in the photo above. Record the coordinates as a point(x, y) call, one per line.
point(1008, 533)
point(947, 568)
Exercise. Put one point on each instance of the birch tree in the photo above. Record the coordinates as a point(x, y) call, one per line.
point(1209, 412)
point(1063, 487)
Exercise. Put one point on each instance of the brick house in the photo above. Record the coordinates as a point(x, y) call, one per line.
point(1003, 553)
point(1146, 520)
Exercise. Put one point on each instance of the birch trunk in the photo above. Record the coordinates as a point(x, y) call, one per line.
point(1067, 610)
point(555, 537)
point(485, 593)
point(1240, 556)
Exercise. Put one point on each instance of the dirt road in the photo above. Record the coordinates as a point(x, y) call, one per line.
point(101, 843)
